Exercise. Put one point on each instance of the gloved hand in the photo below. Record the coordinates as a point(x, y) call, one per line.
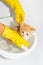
point(18, 10)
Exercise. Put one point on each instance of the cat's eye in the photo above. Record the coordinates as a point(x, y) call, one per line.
point(27, 34)
point(22, 31)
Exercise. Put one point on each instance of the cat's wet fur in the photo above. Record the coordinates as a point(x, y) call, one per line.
point(25, 30)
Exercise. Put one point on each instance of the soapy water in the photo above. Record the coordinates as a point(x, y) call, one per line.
point(4, 45)
point(9, 47)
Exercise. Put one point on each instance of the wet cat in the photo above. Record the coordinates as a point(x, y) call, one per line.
point(26, 31)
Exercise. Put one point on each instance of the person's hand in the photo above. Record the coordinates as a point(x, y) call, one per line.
point(1, 28)
point(19, 16)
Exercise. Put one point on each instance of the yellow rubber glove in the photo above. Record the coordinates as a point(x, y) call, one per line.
point(19, 13)
point(15, 37)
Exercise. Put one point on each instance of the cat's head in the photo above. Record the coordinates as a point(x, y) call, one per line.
point(26, 31)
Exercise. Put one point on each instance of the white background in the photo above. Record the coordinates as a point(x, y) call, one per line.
point(34, 17)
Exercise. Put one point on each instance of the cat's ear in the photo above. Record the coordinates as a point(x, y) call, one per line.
point(21, 24)
point(33, 29)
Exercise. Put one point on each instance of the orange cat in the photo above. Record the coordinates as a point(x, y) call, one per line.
point(24, 30)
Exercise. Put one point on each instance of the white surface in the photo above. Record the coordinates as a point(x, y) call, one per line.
point(34, 13)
